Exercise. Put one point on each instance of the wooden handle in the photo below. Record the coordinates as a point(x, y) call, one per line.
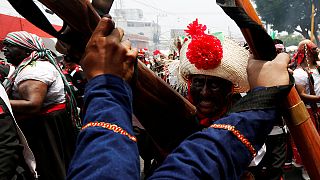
point(166, 115)
point(297, 118)
point(304, 133)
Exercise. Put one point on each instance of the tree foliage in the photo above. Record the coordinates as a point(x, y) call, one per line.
point(290, 16)
point(290, 39)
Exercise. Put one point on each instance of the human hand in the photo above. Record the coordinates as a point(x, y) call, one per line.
point(268, 73)
point(106, 53)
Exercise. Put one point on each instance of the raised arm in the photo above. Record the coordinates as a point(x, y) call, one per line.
point(106, 147)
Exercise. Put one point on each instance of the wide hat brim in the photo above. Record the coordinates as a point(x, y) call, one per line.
point(232, 67)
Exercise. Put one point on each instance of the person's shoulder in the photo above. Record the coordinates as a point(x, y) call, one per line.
point(45, 66)
point(299, 71)
point(38, 68)
point(38, 64)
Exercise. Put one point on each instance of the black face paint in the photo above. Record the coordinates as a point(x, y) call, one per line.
point(210, 94)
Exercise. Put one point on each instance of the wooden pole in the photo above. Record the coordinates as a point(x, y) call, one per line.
point(312, 38)
point(298, 119)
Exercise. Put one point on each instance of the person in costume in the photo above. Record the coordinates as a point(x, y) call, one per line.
point(210, 76)
point(42, 102)
point(215, 79)
point(107, 149)
point(210, 72)
point(307, 82)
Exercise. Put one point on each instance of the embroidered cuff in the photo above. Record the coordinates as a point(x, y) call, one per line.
point(111, 127)
point(237, 133)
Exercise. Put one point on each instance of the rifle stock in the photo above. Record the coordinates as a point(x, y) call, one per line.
point(298, 120)
point(165, 114)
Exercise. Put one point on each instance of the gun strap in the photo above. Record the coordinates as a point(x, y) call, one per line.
point(271, 97)
point(263, 43)
point(29, 10)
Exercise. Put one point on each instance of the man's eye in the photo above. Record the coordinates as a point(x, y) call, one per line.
point(214, 86)
point(197, 83)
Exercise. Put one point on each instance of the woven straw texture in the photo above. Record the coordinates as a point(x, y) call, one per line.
point(233, 65)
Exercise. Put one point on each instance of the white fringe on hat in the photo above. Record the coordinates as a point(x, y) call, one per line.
point(233, 66)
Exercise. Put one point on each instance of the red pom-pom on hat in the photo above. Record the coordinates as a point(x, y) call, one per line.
point(195, 29)
point(204, 51)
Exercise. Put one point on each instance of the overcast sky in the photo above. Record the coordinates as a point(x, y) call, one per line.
point(179, 13)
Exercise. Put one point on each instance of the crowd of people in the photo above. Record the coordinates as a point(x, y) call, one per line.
point(60, 120)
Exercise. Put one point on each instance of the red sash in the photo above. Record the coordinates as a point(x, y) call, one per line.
point(52, 108)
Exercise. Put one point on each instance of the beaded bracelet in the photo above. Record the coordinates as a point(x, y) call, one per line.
point(237, 133)
point(111, 127)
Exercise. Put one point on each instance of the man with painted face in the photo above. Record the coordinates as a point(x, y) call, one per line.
point(211, 95)
point(211, 73)
point(107, 149)
point(216, 77)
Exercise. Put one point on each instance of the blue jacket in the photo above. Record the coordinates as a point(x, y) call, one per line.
point(106, 151)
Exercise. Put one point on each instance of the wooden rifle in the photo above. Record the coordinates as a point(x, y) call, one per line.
point(301, 127)
point(164, 113)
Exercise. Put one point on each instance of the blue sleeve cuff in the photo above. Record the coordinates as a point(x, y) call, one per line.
point(108, 98)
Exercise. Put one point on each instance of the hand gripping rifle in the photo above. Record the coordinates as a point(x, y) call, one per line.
point(165, 114)
point(301, 127)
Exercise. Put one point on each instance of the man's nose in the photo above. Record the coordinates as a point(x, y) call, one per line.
point(205, 91)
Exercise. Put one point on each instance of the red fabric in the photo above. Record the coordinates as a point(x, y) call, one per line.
point(299, 55)
point(312, 117)
point(12, 23)
point(156, 52)
point(53, 108)
point(296, 155)
point(1, 110)
point(206, 122)
point(189, 97)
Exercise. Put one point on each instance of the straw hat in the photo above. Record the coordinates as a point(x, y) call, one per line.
point(232, 66)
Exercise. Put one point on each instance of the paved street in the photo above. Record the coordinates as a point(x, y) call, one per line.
point(293, 174)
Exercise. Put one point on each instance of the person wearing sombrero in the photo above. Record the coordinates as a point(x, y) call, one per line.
point(213, 73)
point(107, 149)
point(213, 70)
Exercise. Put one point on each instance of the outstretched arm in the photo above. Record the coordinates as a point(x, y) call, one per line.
point(106, 147)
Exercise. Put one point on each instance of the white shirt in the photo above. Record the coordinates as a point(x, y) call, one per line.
point(45, 72)
point(301, 78)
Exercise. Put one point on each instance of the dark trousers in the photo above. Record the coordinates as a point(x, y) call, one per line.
point(270, 167)
point(52, 138)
